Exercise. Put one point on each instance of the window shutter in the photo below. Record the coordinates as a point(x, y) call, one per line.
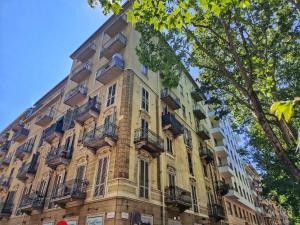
point(80, 172)
point(101, 177)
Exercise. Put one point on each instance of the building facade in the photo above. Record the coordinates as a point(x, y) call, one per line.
point(110, 144)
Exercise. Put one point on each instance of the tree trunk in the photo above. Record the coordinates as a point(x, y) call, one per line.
point(280, 152)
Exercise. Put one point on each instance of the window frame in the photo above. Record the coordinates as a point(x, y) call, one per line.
point(145, 99)
point(145, 195)
point(111, 95)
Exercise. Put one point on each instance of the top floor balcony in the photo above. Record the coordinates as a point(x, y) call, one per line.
point(114, 45)
point(21, 135)
point(81, 72)
point(197, 95)
point(4, 148)
point(170, 123)
point(87, 110)
point(111, 70)
point(76, 95)
point(70, 191)
point(45, 118)
point(117, 26)
point(104, 135)
point(216, 211)
point(148, 140)
point(86, 52)
point(199, 112)
point(170, 99)
point(177, 198)
point(54, 131)
point(206, 154)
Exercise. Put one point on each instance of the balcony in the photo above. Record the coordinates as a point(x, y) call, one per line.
point(86, 52)
point(5, 161)
point(54, 131)
point(4, 183)
point(217, 133)
point(199, 112)
point(17, 126)
point(225, 170)
point(113, 45)
point(76, 95)
point(148, 140)
point(202, 132)
point(81, 72)
point(111, 70)
point(177, 198)
point(33, 201)
point(216, 212)
point(197, 95)
point(23, 150)
point(21, 135)
point(222, 188)
point(118, 25)
point(29, 169)
point(88, 110)
point(6, 210)
point(59, 156)
point(105, 135)
point(4, 148)
point(206, 154)
point(45, 118)
point(170, 99)
point(232, 193)
point(170, 123)
point(73, 191)
point(221, 151)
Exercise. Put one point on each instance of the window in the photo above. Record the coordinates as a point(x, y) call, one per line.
point(229, 208)
point(111, 95)
point(171, 180)
point(144, 126)
point(235, 211)
point(169, 146)
point(80, 173)
point(144, 179)
point(183, 111)
point(240, 213)
point(181, 89)
point(190, 163)
point(101, 177)
point(194, 198)
point(145, 100)
point(187, 137)
point(144, 70)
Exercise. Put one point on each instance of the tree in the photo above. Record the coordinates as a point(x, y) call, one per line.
point(247, 55)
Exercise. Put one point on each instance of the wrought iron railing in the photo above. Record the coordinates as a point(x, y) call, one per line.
point(5, 147)
point(92, 104)
point(166, 92)
point(74, 188)
point(22, 132)
point(118, 37)
point(148, 135)
point(178, 195)
point(61, 151)
point(34, 200)
point(90, 45)
point(216, 211)
point(50, 113)
point(106, 130)
point(87, 66)
point(79, 89)
point(169, 118)
point(24, 148)
point(117, 61)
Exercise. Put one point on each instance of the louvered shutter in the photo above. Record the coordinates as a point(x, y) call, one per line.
point(101, 177)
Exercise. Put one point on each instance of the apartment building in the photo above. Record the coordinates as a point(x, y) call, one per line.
point(111, 145)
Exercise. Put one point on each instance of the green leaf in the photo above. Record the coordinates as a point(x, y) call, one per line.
point(116, 8)
point(131, 17)
point(282, 108)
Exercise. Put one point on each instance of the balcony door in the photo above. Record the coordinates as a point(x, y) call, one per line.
point(172, 185)
point(144, 128)
point(78, 184)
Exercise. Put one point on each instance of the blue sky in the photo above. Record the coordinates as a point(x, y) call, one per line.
point(36, 40)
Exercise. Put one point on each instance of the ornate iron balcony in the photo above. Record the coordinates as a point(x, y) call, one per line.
point(20, 135)
point(24, 149)
point(197, 95)
point(58, 156)
point(86, 52)
point(199, 112)
point(169, 122)
point(222, 188)
point(76, 95)
point(28, 169)
point(87, 110)
point(206, 154)
point(202, 132)
point(81, 72)
point(45, 118)
point(148, 140)
point(6, 210)
point(113, 45)
point(170, 99)
point(178, 198)
point(55, 130)
point(33, 201)
point(216, 212)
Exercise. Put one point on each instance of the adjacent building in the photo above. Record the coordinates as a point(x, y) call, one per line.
point(110, 144)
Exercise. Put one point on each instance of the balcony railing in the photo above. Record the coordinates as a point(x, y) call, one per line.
point(70, 191)
point(4, 148)
point(206, 154)
point(217, 133)
point(117, 26)
point(111, 70)
point(202, 132)
point(170, 99)
point(216, 212)
point(81, 72)
point(5, 161)
point(28, 169)
point(169, 122)
point(18, 125)
point(86, 52)
point(20, 135)
point(4, 183)
point(148, 140)
point(88, 110)
point(113, 45)
point(24, 149)
point(197, 95)
point(59, 156)
point(199, 112)
point(76, 95)
point(45, 118)
point(225, 170)
point(33, 201)
point(222, 188)
point(178, 198)
point(54, 131)
point(105, 135)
